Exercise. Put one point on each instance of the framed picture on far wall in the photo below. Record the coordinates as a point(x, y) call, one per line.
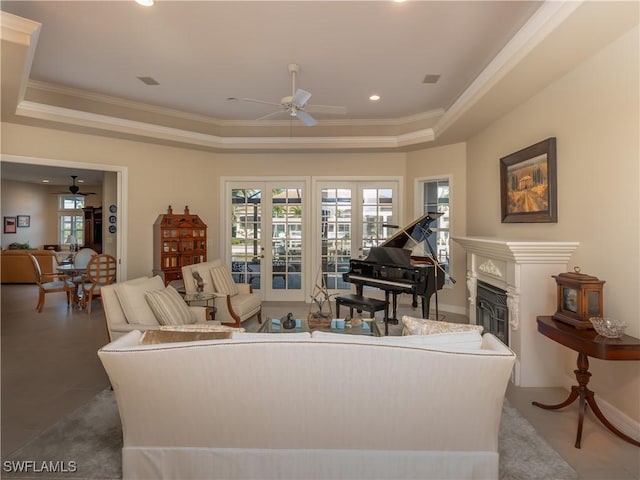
point(528, 184)
point(9, 224)
point(24, 220)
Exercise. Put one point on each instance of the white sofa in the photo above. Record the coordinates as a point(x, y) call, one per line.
point(126, 309)
point(296, 406)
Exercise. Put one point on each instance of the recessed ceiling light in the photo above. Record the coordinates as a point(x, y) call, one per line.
point(45, 181)
point(145, 3)
point(374, 98)
point(80, 181)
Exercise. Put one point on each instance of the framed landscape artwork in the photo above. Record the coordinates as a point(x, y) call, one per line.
point(9, 224)
point(528, 184)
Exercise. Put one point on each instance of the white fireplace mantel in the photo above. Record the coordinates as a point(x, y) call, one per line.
point(524, 270)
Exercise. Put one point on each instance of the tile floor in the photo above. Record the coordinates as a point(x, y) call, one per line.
point(50, 368)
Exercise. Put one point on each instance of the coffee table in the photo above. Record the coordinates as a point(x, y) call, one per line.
point(368, 327)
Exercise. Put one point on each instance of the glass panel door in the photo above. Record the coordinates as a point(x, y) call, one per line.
point(246, 236)
point(336, 236)
point(355, 216)
point(286, 249)
point(377, 213)
point(267, 237)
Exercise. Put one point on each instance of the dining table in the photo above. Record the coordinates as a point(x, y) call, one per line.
point(73, 271)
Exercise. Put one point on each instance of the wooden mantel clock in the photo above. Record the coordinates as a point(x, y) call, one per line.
point(579, 298)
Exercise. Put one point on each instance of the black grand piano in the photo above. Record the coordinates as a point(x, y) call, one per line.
point(392, 267)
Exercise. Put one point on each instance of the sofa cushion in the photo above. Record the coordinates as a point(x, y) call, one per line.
point(133, 302)
point(245, 303)
point(424, 326)
point(169, 307)
point(223, 281)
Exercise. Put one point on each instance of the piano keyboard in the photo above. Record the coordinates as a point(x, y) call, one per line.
point(372, 281)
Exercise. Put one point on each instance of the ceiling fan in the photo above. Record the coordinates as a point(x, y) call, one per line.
point(75, 190)
point(295, 105)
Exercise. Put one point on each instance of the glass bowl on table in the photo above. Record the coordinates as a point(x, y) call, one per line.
point(608, 327)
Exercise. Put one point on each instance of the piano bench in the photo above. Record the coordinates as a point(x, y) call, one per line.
point(371, 305)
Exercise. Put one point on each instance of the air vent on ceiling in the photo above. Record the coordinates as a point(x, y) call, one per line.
point(148, 80)
point(431, 78)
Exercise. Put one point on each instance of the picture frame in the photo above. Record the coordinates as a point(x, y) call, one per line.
point(24, 221)
point(9, 224)
point(528, 184)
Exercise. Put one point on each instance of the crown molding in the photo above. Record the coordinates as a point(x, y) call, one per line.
point(18, 30)
point(46, 87)
point(158, 132)
point(23, 32)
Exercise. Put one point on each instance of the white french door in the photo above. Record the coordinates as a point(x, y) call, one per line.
point(265, 242)
point(353, 216)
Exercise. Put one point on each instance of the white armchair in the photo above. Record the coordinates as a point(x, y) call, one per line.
point(235, 302)
point(126, 307)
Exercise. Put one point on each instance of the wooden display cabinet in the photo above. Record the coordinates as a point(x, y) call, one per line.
point(178, 240)
point(93, 228)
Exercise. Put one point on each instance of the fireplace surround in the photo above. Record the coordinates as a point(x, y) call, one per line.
point(523, 269)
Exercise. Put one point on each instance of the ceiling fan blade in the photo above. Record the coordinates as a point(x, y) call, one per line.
point(330, 109)
point(307, 119)
point(272, 114)
point(300, 98)
point(253, 100)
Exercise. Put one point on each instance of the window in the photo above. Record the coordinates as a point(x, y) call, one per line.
point(435, 198)
point(70, 219)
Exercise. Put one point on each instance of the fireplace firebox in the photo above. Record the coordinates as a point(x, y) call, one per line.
point(492, 311)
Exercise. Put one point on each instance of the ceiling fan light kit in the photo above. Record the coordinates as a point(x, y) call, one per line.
point(295, 105)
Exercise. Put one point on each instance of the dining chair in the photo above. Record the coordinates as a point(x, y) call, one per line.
point(82, 257)
point(101, 271)
point(80, 260)
point(50, 283)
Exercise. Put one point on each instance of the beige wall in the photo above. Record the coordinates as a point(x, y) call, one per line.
point(449, 161)
point(593, 113)
point(159, 176)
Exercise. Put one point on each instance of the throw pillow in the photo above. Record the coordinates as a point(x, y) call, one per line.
point(424, 326)
point(131, 297)
point(223, 281)
point(204, 269)
point(168, 307)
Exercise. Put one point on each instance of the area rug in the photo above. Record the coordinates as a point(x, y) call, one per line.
point(86, 444)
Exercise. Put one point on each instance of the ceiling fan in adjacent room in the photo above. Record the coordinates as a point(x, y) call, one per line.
point(295, 105)
point(75, 190)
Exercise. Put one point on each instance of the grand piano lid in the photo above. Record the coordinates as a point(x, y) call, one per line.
point(414, 233)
